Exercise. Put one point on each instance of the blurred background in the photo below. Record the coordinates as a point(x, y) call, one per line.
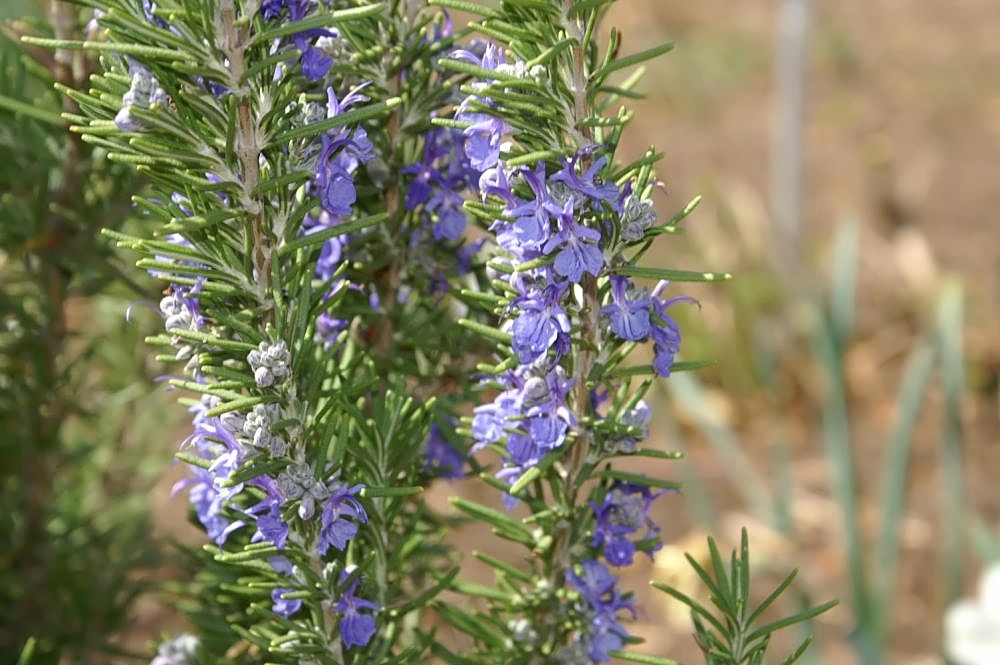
point(846, 156)
point(846, 159)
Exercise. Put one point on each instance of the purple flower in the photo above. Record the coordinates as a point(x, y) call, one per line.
point(542, 324)
point(297, 9)
point(523, 449)
point(270, 525)
point(579, 252)
point(282, 606)
point(482, 140)
point(624, 512)
point(484, 133)
point(637, 417)
point(586, 184)
point(439, 180)
point(340, 153)
point(510, 475)
point(208, 504)
point(629, 318)
point(210, 490)
point(315, 63)
point(666, 334)
point(531, 225)
point(335, 185)
point(181, 309)
point(544, 402)
point(441, 458)
point(149, 9)
point(340, 517)
point(490, 421)
point(597, 587)
point(357, 626)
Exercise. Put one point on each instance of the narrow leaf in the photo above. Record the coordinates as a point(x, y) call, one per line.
point(672, 275)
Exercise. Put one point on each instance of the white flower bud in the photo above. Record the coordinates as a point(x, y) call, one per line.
point(308, 507)
point(263, 377)
point(278, 446)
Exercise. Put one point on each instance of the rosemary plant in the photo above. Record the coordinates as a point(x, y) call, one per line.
point(388, 245)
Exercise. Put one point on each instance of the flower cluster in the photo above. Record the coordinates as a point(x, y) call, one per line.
point(144, 92)
point(269, 363)
point(439, 183)
point(601, 603)
point(340, 152)
point(623, 513)
point(330, 510)
point(560, 235)
point(316, 47)
point(302, 503)
point(635, 315)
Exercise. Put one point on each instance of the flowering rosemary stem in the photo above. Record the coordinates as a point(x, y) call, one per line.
point(233, 40)
point(590, 334)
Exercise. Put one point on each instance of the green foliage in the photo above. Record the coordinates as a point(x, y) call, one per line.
point(75, 527)
point(730, 633)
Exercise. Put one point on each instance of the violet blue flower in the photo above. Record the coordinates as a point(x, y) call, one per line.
point(624, 512)
point(441, 458)
point(340, 517)
point(629, 318)
point(597, 586)
point(542, 323)
point(666, 334)
point(586, 184)
point(282, 606)
point(357, 625)
point(577, 244)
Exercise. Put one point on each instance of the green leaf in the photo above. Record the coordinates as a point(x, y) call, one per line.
point(630, 60)
point(505, 525)
point(472, 626)
point(486, 331)
point(672, 275)
point(27, 652)
point(696, 608)
point(641, 658)
point(317, 239)
point(614, 474)
point(250, 552)
point(474, 8)
point(353, 117)
point(895, 470)
point(481, 73)
point(657, 454)
point(193, 460)
point(244, 404)
point(374, 492)
point(32, 111)
point(504, 567)
point(480, 591)
point(421, 600)
point(528, 477)
point(254, 470)
point(136, 50)
point(206, 338)
point(647, 370)
point(792, 620)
